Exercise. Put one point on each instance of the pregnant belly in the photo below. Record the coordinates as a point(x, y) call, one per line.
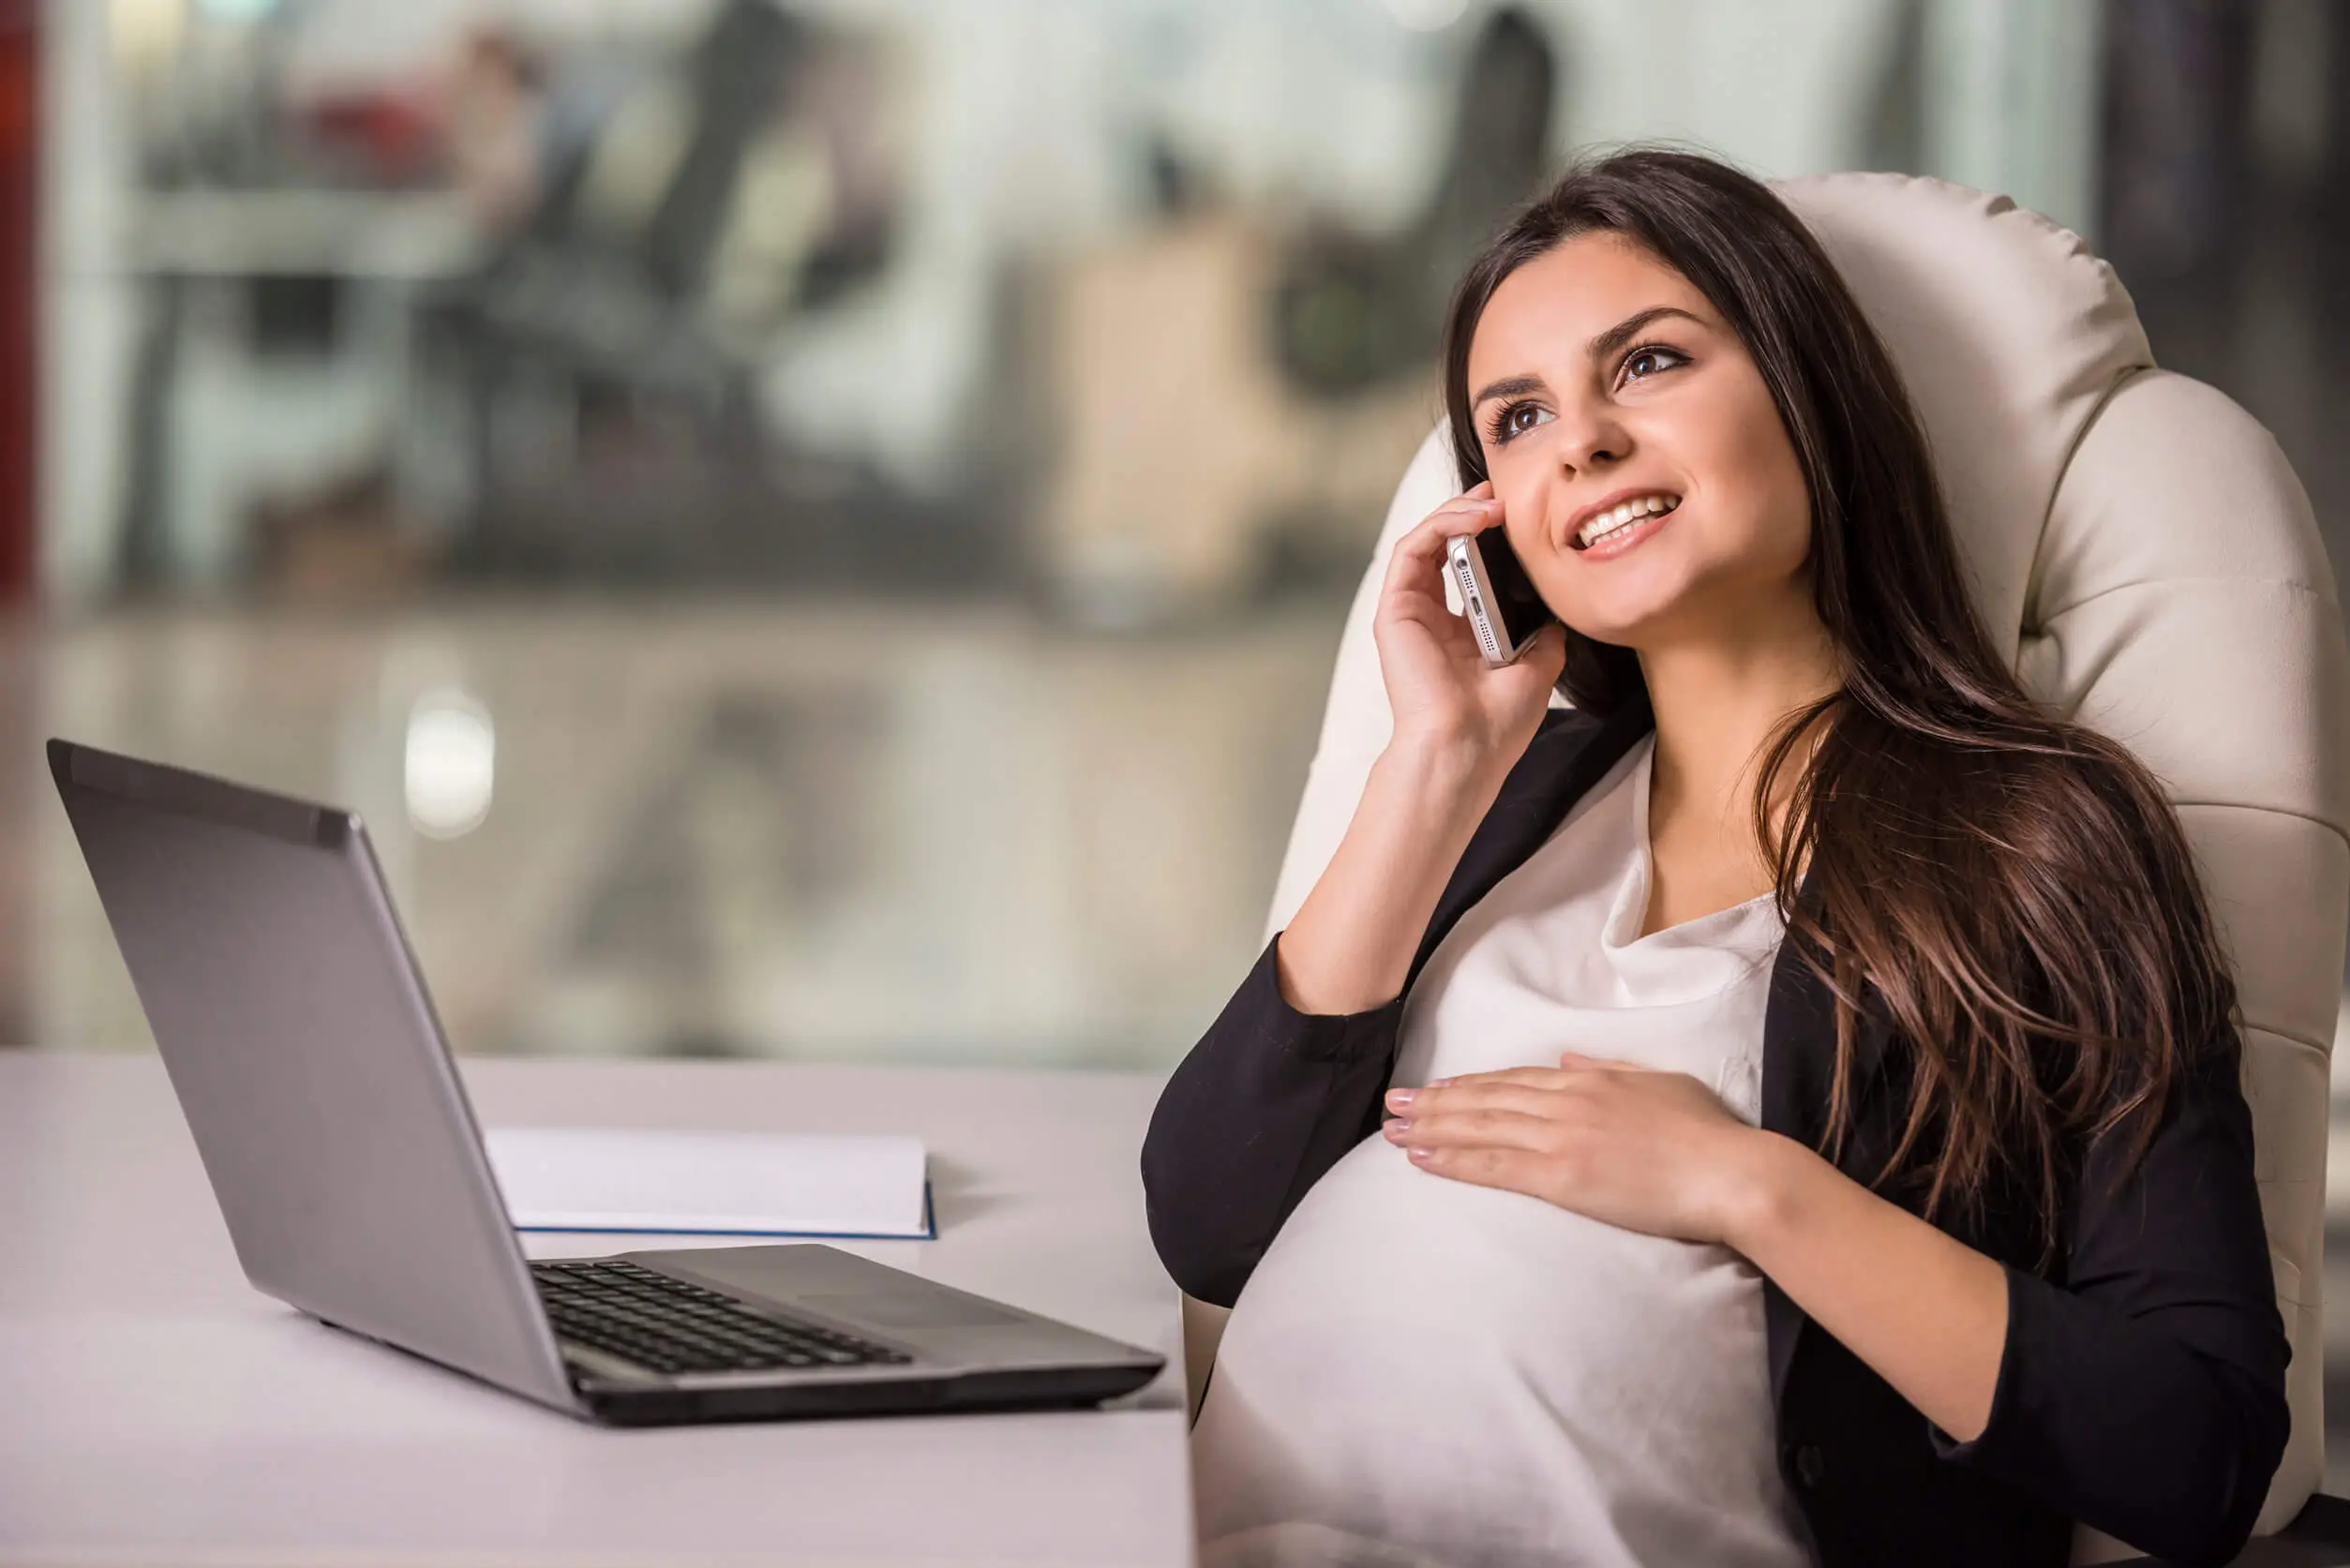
point(1475, 1376)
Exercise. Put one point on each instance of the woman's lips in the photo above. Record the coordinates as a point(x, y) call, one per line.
point(1627, 538)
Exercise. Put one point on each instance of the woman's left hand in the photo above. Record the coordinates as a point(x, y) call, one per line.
point(1629, 1145)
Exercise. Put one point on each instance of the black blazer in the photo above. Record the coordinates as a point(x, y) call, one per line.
point(2141, 1384)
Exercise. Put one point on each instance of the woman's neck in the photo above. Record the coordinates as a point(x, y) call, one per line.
point(1717, 704)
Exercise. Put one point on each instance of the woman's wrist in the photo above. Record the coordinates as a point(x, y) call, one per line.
point(1351, 945)
point(1924, 1310)
point(1768, 1177)
point(1449, 776)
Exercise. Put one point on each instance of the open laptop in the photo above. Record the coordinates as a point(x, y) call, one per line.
point(329, 1117)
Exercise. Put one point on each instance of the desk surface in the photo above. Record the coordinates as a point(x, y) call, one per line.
point(155, 1409)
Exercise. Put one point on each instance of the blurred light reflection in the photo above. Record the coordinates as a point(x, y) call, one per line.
point(451, 764)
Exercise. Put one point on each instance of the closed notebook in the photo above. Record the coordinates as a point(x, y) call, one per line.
point(767, 1183)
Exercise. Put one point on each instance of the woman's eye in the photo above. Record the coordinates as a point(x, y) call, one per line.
point(1518, 419)
point(1644, 363)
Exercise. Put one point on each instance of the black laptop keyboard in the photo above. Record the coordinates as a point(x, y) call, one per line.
point(670, 1325)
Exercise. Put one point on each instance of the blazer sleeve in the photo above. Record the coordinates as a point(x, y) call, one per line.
point(1267, 1101)
point(2146, 1394)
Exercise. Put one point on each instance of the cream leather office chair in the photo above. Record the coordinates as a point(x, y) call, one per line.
point(2140, 549)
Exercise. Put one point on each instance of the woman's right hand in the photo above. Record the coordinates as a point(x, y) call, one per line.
point(1444, 696)
point(1460, 725)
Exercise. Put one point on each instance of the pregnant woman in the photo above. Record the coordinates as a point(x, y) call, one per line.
point(1784, 1109)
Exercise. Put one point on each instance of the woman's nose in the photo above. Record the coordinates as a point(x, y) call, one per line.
point(1590, 438)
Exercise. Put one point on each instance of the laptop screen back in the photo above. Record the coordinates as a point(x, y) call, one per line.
point(310, 1065)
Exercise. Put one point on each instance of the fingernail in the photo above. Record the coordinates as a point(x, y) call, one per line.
point(1419, 1156)
point(1438, 1082)
point(1397, 1126)
point(1399, 1099)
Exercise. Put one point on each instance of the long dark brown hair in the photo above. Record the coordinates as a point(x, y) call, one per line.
point(2009, 892)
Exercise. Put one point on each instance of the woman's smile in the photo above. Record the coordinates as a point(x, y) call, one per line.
point(1620, 522)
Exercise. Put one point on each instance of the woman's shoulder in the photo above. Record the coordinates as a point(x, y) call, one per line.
point(1566, 731)
point(1565, 723)
point(1572, 751)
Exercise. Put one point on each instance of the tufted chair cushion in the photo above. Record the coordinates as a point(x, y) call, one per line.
point(2140, 549)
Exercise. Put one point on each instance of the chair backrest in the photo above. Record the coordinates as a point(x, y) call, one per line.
point(2140, 549)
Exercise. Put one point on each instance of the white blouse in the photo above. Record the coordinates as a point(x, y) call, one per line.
point(1422, 1372)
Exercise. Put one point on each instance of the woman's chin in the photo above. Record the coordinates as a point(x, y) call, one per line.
point(1635, 614)
point(1624, 631)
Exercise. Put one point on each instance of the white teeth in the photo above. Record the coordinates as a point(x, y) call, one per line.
point(1623, 515)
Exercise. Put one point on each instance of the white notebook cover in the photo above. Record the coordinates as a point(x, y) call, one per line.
point(766, 1184)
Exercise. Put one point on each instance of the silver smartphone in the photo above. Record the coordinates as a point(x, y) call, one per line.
point(1496, 595)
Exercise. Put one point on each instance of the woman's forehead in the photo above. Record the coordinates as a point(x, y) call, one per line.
point(1552, 307)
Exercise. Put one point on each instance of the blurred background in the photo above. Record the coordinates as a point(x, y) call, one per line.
point(817, 529)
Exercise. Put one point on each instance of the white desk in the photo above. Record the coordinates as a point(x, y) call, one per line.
point(156, 1409)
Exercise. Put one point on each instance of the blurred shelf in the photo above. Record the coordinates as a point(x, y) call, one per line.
point(399, 236)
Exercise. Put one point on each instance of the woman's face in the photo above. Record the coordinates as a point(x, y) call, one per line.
point(1645, 478)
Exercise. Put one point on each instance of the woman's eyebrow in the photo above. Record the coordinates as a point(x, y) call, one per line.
point(1509, 386)
point(1606, 343)
point(1602, 347)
